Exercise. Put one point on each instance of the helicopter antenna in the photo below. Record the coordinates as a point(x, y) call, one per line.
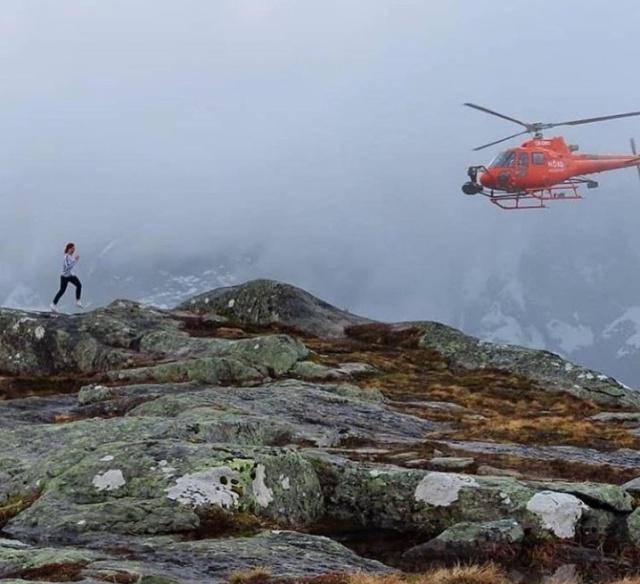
point(536, 128)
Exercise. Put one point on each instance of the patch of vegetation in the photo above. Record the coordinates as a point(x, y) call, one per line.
point(513, 408)
point(16, 504)
point(119, 577)
point(256, 575)
point(218, 522)
point(26, 386)
point(63, 572)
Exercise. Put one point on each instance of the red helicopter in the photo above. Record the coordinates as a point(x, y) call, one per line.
point(541, 169)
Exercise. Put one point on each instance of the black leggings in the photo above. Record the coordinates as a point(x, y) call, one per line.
point(64, 282)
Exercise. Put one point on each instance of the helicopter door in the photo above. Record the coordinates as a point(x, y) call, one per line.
point(523, 164)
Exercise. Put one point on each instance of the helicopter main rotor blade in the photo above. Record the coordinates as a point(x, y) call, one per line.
point(488, 111)
point(501, 140)
point(591, 120)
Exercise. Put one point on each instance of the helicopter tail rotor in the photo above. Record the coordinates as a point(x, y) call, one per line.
point(635, 153)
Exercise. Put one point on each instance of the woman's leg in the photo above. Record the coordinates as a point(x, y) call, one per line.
point(63, 287)
point(76, 282)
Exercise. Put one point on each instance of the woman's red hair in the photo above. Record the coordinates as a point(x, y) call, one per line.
point(68, 247)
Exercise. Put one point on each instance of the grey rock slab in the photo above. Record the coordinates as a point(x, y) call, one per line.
point(316, 372)
point(317, 413)
point(452, 463)
point(625, 417)
point(286, 554)
point(431, 405)
point(262, 303)
point(622, 458)
point(155, 560)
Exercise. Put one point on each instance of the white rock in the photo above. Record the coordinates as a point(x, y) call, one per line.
point(110, 480)
point(107, 458)
point(442, 488)
point(558, 512)
point(209, 487)
point(263, 494)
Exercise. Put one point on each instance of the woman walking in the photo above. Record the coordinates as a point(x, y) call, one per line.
point(71, 258)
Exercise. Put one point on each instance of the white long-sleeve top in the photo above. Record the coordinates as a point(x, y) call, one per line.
point(68, 265)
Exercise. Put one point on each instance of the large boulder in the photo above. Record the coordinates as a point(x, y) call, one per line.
point(263, 303)
point(168, 486)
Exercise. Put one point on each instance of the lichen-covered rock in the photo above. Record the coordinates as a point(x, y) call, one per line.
point(625, 458)
point(94, 393)
point(24, 560)
point(261, 303)
point(633, 526)
point(138, 343)
point(553, 371)
point(43, 344)
point(599, 495)
point(388, 497)
point(429, 502)
point(316, 372)
point(168, 487)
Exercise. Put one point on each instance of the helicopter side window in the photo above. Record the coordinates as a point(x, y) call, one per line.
point(510, 159)
point(523, 159)
point(538, 158)
point(497, 161)
point(506, 158)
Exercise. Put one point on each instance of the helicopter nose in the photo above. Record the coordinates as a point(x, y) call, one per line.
point(486, 180)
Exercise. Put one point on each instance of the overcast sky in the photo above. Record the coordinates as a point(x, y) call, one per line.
point(329, 134)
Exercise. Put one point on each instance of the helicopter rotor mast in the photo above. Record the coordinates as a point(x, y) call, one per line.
point(536, 128)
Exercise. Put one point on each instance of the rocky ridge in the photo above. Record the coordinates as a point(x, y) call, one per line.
point(257, 426)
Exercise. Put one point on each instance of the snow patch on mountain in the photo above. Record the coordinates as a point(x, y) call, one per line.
point(627, 326)
point(570, 337)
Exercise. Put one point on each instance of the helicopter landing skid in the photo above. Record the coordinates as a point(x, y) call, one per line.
point(537, 198)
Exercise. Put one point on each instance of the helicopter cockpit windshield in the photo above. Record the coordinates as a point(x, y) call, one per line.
point(504, 159)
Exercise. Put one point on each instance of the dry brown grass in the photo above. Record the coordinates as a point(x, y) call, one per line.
point(548, 429)
point(517, 410)
point(486, 574)
point(376, 579)
point(257, 575)
point(16, 504)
